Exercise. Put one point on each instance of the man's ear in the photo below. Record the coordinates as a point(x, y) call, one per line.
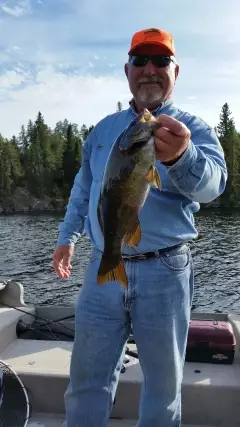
point(176, 71)
point(126, 69)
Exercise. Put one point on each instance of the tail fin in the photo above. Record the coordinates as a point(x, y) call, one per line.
point(117, 274)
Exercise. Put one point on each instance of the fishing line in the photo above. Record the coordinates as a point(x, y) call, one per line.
point(52, 322)
point(47, 321)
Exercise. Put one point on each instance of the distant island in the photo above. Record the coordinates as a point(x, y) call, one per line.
point(38, 167)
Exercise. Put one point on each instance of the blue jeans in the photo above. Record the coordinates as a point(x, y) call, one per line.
point(157, 305)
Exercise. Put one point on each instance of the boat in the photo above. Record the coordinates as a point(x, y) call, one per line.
point(36, 341)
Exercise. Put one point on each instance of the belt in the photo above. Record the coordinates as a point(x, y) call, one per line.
point(154, 254)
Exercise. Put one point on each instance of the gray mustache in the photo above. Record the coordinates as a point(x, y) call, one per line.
point(150, 80)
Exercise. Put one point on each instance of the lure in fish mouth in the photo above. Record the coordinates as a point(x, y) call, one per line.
point(129, 173)
point(147, 117)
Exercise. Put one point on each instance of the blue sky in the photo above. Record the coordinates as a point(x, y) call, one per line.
point(66, 57)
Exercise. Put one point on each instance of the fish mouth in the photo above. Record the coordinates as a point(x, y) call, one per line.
point(147, 117)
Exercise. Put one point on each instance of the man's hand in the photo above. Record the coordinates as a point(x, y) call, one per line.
point(61, 261)
point(171, 139)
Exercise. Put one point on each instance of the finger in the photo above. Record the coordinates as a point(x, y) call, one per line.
point(175, 126)
point(161, 145)
point(57, 256)
point(59, 268)
point(164, 135)
point(66, 262)
point(168, 137)
point(63, 273)
point(56, 261)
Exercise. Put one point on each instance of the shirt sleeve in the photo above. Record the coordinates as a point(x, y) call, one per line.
point(72, 226)
point(201, 173)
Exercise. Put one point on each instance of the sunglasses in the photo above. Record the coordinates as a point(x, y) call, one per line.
point(158, 61)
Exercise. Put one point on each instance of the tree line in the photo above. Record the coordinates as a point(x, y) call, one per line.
point(45, 161)
point(42, 160)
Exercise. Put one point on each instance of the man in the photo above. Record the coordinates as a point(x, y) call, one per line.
point(192, 168)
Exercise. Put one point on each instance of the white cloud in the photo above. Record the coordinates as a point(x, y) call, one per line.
point(10, 79)
point(94, 53)
point(81, 99)
point(16, 8)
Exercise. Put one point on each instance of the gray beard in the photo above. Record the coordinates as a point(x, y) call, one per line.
point(150, 97)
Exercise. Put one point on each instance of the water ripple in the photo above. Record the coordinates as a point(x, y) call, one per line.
point(28, 241)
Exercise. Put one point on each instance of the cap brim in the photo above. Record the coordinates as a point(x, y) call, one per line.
point(163, 49)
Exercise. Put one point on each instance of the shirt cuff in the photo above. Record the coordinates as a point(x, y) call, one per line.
point(65, 240)
point(180, 169)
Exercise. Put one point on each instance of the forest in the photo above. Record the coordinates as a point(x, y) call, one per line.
point(44, 161)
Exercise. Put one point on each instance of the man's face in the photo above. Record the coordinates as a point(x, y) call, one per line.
point(150, 84)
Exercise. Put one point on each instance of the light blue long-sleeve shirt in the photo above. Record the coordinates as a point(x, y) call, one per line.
point(166, 219)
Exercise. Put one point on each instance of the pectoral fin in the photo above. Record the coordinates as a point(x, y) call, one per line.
point(153, 177)
point(133, 237)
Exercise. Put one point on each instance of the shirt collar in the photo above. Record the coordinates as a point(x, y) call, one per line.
point(155, 112)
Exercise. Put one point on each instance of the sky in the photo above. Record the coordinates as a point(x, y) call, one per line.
point(66, 58)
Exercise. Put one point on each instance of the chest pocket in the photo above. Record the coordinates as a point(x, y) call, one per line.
point(98, 160)
point(101, 149)
point(108, 131)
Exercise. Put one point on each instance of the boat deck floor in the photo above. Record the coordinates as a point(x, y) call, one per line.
point(53, 358)
point(42, 420)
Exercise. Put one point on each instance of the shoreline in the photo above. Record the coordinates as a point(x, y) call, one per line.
point(22, 202)
point(61, 210)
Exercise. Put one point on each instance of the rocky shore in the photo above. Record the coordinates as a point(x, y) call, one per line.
point(23, 202)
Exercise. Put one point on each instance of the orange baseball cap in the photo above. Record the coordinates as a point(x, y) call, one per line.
point(153, 36)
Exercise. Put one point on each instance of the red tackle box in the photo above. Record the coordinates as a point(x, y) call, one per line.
point(210, 341)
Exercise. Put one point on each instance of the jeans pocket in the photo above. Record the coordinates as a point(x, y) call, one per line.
point(176, 259)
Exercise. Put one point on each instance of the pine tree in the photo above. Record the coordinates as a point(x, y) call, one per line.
point(119, 106)
point(85, 131)
point(61, 128)
point(15, 163)
point(22, 139)
point(227, 134)
point(5, 169)
point(69, 160)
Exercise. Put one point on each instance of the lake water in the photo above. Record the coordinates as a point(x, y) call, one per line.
point(28, 241)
